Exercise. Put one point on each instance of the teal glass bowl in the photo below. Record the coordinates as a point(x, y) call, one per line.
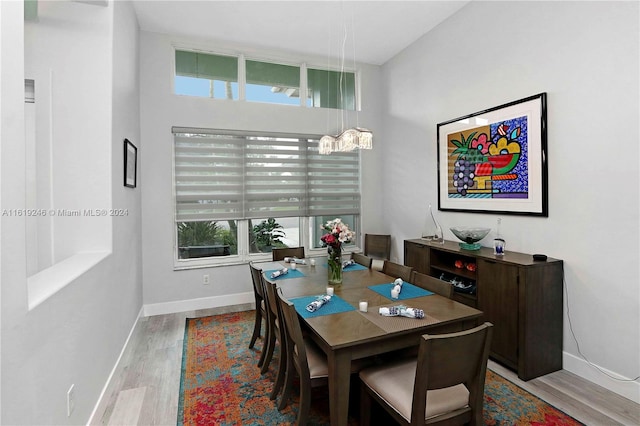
point(470, 236)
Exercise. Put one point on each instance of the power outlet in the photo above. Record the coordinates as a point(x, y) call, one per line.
point(205, 279)
point(71, 400)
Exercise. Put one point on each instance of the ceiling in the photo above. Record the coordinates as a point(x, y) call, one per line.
point(381, 29)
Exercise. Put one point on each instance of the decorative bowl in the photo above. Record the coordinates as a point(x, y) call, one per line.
point(470, 236)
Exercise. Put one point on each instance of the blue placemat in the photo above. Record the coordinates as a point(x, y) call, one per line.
point(334, 306)
point(354, 267)
point(409, 291)
point(293, 273)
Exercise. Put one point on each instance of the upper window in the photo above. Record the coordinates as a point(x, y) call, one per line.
point(202, 74)
point(331, 89)
point(272, 83)
point(216, 76)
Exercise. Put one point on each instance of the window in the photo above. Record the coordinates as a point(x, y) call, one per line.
point(273, 83)
point(216, 76)
point(206, 75)
point(331, 89)
point(239, 194)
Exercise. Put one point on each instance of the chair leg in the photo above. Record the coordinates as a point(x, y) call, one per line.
point(305, 401)
point(269, 352)
point(265, 346)
point(365, 406)
point(282, 366)
point(288, 384)
point(256, 328)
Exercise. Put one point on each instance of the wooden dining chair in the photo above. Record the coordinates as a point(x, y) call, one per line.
point(377, 246)
point(362, 259)
point(432, 284)
point(278, 333)
point(261, 313)
point(444, 385)
point(281, 253)
point(305, 359)
point(396, 270)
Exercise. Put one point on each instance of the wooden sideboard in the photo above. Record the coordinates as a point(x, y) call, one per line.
point(520, 296)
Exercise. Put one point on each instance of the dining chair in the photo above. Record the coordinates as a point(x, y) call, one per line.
point(444, 385)
point(377, 247)
point(432, 284)
point(362, 259)
point(278, 333)
point(396, 270)
point(281, 253)
point(305, 359)
point(261, 313)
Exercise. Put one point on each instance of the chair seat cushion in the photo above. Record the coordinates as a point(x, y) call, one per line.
point(394, 384)
point(316, 359)
point(377, 264)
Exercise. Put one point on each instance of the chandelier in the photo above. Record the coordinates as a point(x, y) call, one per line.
point(348, 140)
point(352, 138)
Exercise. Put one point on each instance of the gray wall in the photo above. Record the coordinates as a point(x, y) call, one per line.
point(165, 290)
point(585, 56)
point(74, 336)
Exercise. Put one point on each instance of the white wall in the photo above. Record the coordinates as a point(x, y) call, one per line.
point(160, 110)
point(585, 55)
point(75, 335)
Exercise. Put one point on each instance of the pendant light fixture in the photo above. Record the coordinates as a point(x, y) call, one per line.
point(353, 138)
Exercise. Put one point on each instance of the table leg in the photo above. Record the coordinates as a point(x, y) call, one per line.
point(339, 380)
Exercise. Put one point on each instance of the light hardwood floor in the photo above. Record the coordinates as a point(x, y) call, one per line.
point(145, 385)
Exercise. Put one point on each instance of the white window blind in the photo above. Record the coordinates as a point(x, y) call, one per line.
point(222, 174)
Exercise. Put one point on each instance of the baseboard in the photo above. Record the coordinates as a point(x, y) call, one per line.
point(195, 304)
point(115, 366)
point(628, 389)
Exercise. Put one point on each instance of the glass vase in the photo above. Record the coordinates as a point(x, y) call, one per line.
point(432, 230)
point(334, 265)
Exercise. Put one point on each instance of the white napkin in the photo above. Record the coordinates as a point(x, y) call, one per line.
point(280, 272)
point(348, 263)
point(295, 260)
point(401, 311)
point(318, 303)
point(397, 288)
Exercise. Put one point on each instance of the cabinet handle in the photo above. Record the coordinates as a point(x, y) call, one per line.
point(490, 261)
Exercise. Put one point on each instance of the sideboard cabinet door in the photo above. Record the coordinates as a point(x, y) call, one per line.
point(498, 300)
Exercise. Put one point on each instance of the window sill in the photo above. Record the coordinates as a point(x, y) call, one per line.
point(47, 282)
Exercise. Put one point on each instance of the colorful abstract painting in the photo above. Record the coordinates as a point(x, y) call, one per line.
point(494, 160)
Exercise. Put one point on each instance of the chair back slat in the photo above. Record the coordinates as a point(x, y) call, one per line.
point(377, 246)
point(256, 279)
point(296, 348)
point(396, 270)
point(362, 259)
point(433, 284)
point(447, 360)
point(280, 253)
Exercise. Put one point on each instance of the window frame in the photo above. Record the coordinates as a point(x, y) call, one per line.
point(243, 255)
point(273, 59)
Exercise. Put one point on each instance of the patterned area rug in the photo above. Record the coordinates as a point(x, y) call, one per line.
point(221, 384)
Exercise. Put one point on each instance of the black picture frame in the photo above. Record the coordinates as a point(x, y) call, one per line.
point(130, 164)
point(495, 160)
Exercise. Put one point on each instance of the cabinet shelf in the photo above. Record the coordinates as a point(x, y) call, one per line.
point(520, 296)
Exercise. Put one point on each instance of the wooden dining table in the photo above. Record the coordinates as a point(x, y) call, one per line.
point(352, 335)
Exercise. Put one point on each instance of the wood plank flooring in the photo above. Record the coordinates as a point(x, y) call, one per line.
point(144, 388)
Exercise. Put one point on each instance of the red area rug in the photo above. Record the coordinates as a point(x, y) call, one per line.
point(221, 384)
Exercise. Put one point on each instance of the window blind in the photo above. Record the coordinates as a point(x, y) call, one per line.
point(269, 74)
point(221, 174)
point(203, 65)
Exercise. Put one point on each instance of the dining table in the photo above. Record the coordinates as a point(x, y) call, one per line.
point(345, 333)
